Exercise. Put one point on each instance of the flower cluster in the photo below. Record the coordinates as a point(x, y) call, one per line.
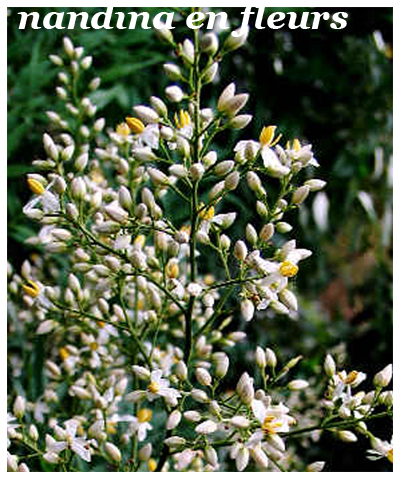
point(137, 335)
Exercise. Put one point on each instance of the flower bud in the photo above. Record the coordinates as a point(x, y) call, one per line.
point(159, 106)
point(261, 360)
point(146, 114)
point(316, 466)
point(226, 96)
point(203, 377)
point(113, 451)
point(197, 171)
point(251, 234)
point(234, 41)
point(300, 195)
point(50, 147)
point(78, 188)
point(271, 358)
point(283, 227)
point(329, 366)
point(173, 420)
point(384, 377)
point(172, 71)
point(247, 308)
point(199, 396)
point(210, 74)
point(232, 181)
point(209, 43)
point(267, 232)
point(289, 299)
point(347, 436)
point(239, 122)
point(206, 427)
point(174, 94)
point(240, 250)
point(19, 407)
point(298, 385)
point(315, 185)
point(144, 453)
point(221, 362)
point(165, 34)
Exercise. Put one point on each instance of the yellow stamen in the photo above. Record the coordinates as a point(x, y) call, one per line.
point(140, 241)
point(96, 176)
point(351, 377)
point(135, 125)
point(288, 269)
point(94, 346)
point(64, 354)
point(31, 289)
point(182, 120)
point(389, 455)
point(207, 214)
point(153, 387)
point(267, 136)
point(172, 269)
point(140, 305)
point(296, 145)
point(185, 229)
point(35, 186)
point(111, 429)
point(123, 129)
point(151, 465)
point(271, 425)
point(209, 280)
point(101, 324)
point(145, 415)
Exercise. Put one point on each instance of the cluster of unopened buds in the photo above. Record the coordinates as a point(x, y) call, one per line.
point(136, 374)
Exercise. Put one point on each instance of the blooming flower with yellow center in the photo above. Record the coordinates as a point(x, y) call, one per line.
point(145, 136)
point(159, 387)
point(184, 124)
point(31, 288)
point(43, 196)
point(288, 269)
point(380, 449)
point(267, 137)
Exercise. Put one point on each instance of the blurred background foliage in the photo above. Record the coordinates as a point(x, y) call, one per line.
point(332, 88)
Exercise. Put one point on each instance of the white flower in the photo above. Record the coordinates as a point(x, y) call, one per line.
point(159, 387)
point(45, 198)
point(273, 419)
point(380, 449)
point(79, 445)
point(184, 459)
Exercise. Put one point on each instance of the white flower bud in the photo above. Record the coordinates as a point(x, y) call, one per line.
point(146, 114)
point(209, 43)
point(78, 188)
point(86, 63)
point(33, 432)
point(206, 427)
point(347, 436)
point(289, 299)
point(225, 242)
point(240, 250)
point(283, 227)
point(159, 106)
point(197, 171)
point(232, 181)
point(226, 96)
point(116, 213)
point(315, 185)
point(240, 422)
point(239, 122)
point(210, 74)
point(174, 94)
point(19, 407)
point(235, 104)
point(279, 307)
point(12, 463)
point(23, 468)
point(144, 453)
point(221, 362)
point(203, 377)
point(267, 232)
point(234, 41)
point(242, 459)
point(113, 451)
point(141, 372)
point(329, 366)
point(253, 181)
point(50, 147)
point(179, 171)
point(145, 154)
point(271, 358)
point(172, 71)
point(259, 457)
point(158, 176)
point(384, 377)
point(173, 420)
point(124, 197)
point(200, 396)
point(211, 456)
point(81, 162)
point(183, 147)
point(248, 309)
point(175, 441)
point(300, 195)
point(261, 360)
point(181, 371)
point(316, 466)
point(298, 385)
point(69, 47)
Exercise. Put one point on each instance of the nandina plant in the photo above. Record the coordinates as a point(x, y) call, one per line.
point(137, 336)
